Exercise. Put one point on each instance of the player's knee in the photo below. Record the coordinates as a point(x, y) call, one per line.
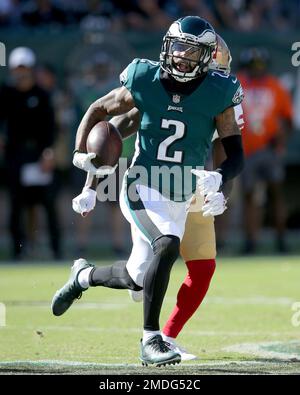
point(167, 246)
point(120, 271)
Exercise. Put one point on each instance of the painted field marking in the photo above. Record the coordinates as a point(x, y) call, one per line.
point(258, 350)
point(80, 306)
point(138, 330)
point(252, 300)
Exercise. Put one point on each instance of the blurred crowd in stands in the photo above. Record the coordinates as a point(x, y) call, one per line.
point(38, 122)
point(117, 15)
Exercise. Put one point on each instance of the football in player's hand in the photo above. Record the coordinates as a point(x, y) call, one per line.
point(105, 141)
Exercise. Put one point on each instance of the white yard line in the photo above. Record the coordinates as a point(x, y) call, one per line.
point(138, 330)
point(121, 303)
point(80, 305)
point(251, 300)
point(257, 350)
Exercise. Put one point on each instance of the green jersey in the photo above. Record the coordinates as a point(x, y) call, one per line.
point(176, 130)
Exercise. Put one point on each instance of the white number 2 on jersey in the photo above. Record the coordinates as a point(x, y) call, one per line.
point(165, 144)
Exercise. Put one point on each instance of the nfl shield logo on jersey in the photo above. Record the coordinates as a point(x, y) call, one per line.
point(176, 99)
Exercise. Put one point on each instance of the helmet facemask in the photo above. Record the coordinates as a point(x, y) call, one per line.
point(185, 58)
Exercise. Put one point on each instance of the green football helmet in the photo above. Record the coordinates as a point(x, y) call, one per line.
point(188, 48)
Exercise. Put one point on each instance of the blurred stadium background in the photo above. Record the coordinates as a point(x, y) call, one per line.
point(81, 46)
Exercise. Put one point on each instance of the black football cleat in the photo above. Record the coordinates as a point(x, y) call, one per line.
point(65, 296)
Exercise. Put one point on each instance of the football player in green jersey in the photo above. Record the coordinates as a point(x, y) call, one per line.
point(181, 103)
point(198, 247)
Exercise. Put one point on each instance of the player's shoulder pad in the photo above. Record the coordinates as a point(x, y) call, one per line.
point(136, 69)
point(237, 90)
point(234, 89)
point(229, 84)
point(129, 70)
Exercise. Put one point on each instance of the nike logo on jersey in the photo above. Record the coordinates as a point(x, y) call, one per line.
point(234, 80)
point(173, 108)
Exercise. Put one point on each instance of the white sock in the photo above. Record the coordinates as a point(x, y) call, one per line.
point(83, 277)
point(148, 334)
point(168, 339)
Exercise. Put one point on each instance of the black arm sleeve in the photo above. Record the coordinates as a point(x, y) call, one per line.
point(234, 163)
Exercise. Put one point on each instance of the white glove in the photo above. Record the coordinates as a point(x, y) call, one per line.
point(208, 181)
point(83, 162)
point(85, 202)
point(105, 170)
point(214, 204)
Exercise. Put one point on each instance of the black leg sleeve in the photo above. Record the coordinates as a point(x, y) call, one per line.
point(114, 276)
point(166, 251)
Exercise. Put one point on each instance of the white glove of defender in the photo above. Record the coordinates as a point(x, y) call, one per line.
point(83, 162)
point(85, 202)
point(214, 204)
point(208, 181)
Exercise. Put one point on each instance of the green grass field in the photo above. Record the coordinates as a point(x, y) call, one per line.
point(244, 326)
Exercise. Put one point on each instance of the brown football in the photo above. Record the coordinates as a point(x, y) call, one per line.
point(106, 142)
